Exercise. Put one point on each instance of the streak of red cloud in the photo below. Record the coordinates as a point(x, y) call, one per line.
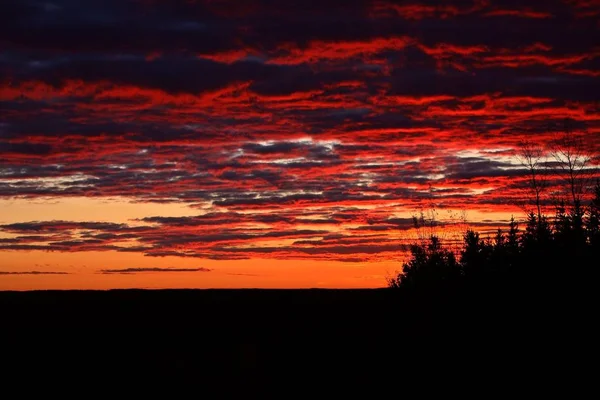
point(519, 13)
point(521, 60)
point(320, 50)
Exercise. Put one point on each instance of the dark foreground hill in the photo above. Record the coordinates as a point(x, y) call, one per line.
point(247, 340)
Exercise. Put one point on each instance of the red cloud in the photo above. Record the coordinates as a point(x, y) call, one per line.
point(519, 13)
point(332, 51)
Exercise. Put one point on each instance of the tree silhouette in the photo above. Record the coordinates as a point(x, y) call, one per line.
point(512, 240)
point(430, 266)
point(547, 254)
point(475, 255)
point(572, 157)
point(593, 222)
point(531, 157)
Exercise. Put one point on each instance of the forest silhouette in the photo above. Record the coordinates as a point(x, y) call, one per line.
point(560, 250)
point(555, 251)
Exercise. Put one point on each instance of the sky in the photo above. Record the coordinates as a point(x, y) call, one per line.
point(220, 143)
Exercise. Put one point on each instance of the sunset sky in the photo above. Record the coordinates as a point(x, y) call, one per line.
point(220, 143)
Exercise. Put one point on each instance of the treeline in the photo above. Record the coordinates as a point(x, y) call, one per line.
point(548, 252)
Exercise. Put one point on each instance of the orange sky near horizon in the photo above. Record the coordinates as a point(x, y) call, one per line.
point(53, 269)
point(84, 272)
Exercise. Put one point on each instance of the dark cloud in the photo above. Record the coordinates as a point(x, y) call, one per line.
point(50, 226)
point(24, 148)
point(33, 273)
point(173, 75)
point(143, 270)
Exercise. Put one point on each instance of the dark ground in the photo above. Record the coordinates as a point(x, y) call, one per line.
point(244, 341)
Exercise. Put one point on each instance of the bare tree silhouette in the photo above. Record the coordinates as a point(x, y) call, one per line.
point(572, 157)
point(531, 157)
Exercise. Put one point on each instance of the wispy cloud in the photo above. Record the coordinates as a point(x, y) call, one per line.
point(33, 273)
point(143, 270)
